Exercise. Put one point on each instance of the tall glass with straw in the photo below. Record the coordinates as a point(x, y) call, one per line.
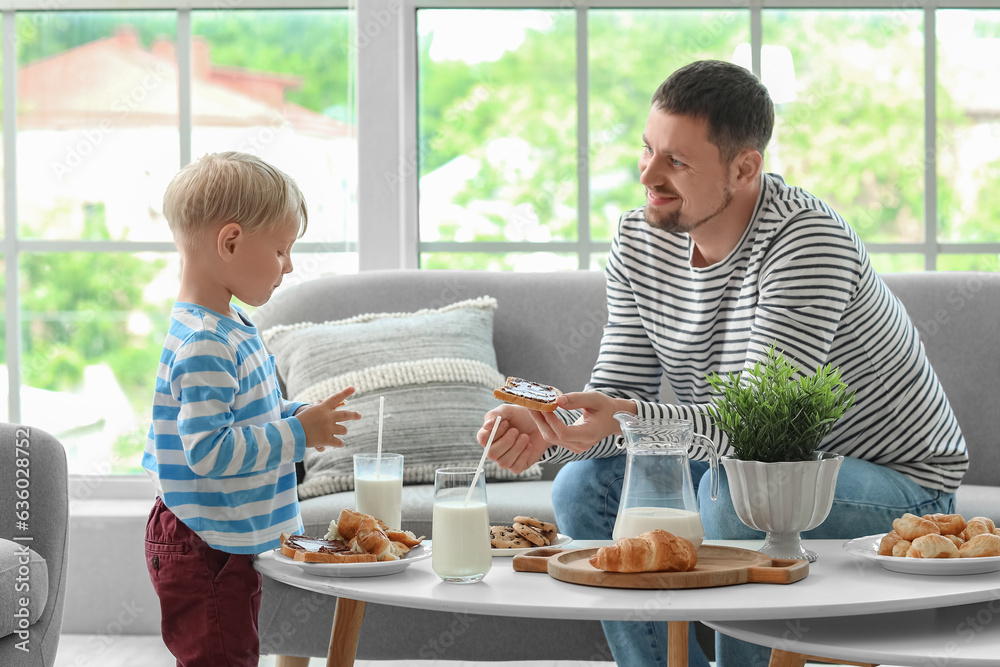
point(378, 481)
point(460, 549)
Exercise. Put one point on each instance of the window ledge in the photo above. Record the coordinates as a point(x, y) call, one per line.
point(110, 488)
point(110, 509)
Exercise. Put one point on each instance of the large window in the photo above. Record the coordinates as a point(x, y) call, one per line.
point(437, 134)
point(626, 60)
point(968, 136)
point(497, 135)
point(528, 122)
point(109, 105)
point(850, 117)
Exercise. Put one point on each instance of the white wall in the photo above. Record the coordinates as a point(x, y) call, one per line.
point(108, 592)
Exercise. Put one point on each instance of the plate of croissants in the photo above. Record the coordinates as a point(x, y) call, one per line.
point(933, 544)
point(355, 545)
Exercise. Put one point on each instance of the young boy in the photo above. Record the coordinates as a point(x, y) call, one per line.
point(223, 443)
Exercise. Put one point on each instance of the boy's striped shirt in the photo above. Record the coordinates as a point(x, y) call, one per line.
point(223, 443)
point(800, 277)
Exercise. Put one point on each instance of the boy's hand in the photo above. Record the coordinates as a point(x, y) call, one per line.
point(321, 422)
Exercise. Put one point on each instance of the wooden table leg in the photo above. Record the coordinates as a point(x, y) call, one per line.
point(781, 658)
point(347, 620)
point(838, 661)
point(290, 661)
point(677, 643)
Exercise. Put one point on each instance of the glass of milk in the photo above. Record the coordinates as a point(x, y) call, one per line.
point(460, 544)
point(378, 487)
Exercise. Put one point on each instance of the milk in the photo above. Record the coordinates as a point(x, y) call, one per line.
point(381, 496)
point(460, 549)
point(683, 523)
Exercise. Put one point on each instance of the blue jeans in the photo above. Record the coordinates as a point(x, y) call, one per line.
point(868, 497)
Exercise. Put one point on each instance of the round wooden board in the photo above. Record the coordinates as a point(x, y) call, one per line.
point(717, 566)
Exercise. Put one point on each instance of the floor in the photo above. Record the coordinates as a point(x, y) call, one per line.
point(148, 651)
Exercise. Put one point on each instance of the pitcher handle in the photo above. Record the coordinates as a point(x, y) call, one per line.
point(713, 463)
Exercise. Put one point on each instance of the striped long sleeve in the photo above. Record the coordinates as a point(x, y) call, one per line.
point(800, 278)
point(223, 443)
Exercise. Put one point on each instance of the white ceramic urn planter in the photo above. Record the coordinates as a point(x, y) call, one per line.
point(783, 499)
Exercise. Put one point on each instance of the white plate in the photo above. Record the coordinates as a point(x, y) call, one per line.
point(558, 542)
point(867, 547)
point(419, 552)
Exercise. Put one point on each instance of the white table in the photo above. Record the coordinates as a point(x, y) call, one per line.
point(964, 636)
point(837, 585)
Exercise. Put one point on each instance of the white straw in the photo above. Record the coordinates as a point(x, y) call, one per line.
point(378, 455)
point(486, 450)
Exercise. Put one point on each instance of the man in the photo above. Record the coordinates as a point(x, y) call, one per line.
point(721, 262)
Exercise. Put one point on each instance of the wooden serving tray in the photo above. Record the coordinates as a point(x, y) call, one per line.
point(717, 566)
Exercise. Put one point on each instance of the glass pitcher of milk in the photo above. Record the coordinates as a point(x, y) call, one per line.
point(658, 491)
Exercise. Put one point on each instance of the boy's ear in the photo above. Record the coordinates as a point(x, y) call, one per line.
point(229, 238)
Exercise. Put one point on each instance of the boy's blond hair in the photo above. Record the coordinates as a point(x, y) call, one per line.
point(221, 188)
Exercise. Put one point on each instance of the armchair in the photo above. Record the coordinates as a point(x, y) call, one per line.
point(34, 497)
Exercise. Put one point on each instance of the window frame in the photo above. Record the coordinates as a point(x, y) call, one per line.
point(393, 211)
point(386, 113)
point(87, 486)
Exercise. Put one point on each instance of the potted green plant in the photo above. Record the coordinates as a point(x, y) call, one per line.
point(775, 418)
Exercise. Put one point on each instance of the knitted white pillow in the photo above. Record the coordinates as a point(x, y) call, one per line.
point(436, 369)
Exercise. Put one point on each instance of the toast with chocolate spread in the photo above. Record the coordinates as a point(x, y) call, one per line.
point(318, 550)
point(531, 395)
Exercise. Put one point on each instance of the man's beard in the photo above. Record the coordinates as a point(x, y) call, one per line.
point(671, 221)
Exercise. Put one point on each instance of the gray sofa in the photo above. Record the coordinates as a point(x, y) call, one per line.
point(548, 328)
point(38, 495)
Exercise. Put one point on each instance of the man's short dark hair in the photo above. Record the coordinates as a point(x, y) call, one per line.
point(737, 106)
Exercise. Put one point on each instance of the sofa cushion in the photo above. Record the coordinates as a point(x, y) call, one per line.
point(977, 500)
point(24, 586)
point(506, 501)
point(435, 368)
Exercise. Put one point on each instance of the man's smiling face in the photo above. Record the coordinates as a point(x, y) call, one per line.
point(686, 181)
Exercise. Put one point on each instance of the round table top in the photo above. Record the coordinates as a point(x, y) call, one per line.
point(838, 584)
point(962, 636)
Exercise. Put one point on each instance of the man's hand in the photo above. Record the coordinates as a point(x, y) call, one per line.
point(321, 422)
point(596, 423)
point(517, 444)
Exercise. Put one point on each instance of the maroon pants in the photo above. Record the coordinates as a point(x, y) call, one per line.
point(209, 599)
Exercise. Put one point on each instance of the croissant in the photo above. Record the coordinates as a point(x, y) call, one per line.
point(949, 524)
point(654, 551)
point(900, 548)
point(979, 525)
point(910, 526)
point(350, 522)
point(367, 534)
point(373, 541)
point(982, 545)
point(932, 546)
point(405, 537)
point(889, 540)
